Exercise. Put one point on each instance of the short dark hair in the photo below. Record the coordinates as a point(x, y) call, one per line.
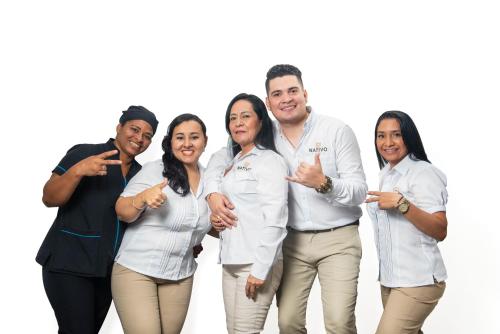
point(265, 137)
point(173, 168)
point(409, 132)
point(281, 70)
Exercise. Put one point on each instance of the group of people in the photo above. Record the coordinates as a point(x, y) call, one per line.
point(284, 199)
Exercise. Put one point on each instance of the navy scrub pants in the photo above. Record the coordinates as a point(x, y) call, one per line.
point(80, 303)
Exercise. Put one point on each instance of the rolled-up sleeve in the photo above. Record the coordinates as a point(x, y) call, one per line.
point(272, 190)
point(349, 187)
point(149, 176)
point(213, 174)
point(428, 187)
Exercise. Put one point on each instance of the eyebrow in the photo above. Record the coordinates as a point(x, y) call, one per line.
point(390, 131)
point(191, 133)
point(243, 111)
point(287, 89)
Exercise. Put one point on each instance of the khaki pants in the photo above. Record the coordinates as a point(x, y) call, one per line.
point(244, 315)
point(149, 305)
point(405, 309)
point(334, 256)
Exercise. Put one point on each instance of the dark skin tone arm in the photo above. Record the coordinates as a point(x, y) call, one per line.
point(59, 188)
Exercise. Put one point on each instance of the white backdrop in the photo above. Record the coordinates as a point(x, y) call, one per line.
point(68, 68)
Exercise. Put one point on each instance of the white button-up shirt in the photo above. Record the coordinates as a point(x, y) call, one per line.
point(160, 243)
point(407, 256)
point(255, 183)
point(340, 160)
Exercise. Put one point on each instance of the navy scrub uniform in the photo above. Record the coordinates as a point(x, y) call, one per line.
point(78, 251)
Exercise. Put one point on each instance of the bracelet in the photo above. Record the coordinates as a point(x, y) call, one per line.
point(326, 186)
point(399, 200)
point(135, 207)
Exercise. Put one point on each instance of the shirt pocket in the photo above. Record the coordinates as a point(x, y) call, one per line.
point(245, 183)
point(328, 162)
point(77, 251)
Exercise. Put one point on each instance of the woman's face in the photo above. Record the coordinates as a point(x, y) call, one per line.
point(390, 143)
point(244, 124)
point(133, 137)
point(188, 142)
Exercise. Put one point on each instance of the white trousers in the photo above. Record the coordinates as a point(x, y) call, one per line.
point(244, 315)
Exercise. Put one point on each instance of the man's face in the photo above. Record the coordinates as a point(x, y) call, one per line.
point(287, 100)
point(133, 137)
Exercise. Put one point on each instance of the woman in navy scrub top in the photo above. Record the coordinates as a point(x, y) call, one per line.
point(78, 252)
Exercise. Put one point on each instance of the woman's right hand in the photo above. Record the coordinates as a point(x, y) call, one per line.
point(253, 284)
point(153, 197)
point(96, 164)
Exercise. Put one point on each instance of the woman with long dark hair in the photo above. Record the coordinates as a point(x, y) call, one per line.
point(165, 203)
point(409, 219)
point(254, 181)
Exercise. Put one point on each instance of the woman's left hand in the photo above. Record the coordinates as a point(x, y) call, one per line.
point(253, 284)
point(386, 200)
point(217, 223)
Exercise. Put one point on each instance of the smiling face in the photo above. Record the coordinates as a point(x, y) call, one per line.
point(244, 125)
point(133, 137)
point(188, 142)
point(390, 142)
point(287, 100)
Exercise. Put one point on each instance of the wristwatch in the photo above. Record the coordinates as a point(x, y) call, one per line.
point(326, 186)
point(403, 205)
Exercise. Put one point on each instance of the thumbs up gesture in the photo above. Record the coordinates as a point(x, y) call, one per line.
point(154, 197)
point(309, 175)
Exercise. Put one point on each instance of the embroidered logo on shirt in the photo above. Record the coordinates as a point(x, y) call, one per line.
point(318, 148)
point(244, 166)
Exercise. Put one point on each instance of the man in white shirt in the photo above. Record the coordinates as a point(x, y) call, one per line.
point(327, 186)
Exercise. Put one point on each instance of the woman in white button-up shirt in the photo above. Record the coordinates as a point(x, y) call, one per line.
point(409, 218)
point(254, 181)
point(165, 203)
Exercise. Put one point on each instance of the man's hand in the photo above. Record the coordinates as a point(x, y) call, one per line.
point(309, 175)
point(96, 164)
point(221, 207)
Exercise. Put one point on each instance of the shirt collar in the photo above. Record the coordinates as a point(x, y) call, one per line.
point(401, 167)
point(253, 151)
point(310, 120)
point(307, 125)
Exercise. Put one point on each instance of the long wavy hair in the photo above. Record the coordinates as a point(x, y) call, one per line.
point(265, 137)
point(409, 132)
point(173, 168)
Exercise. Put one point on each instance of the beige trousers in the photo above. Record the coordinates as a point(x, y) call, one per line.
point(405, 309)
point(334, 256)
point(149, 305)
point(244, 315)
